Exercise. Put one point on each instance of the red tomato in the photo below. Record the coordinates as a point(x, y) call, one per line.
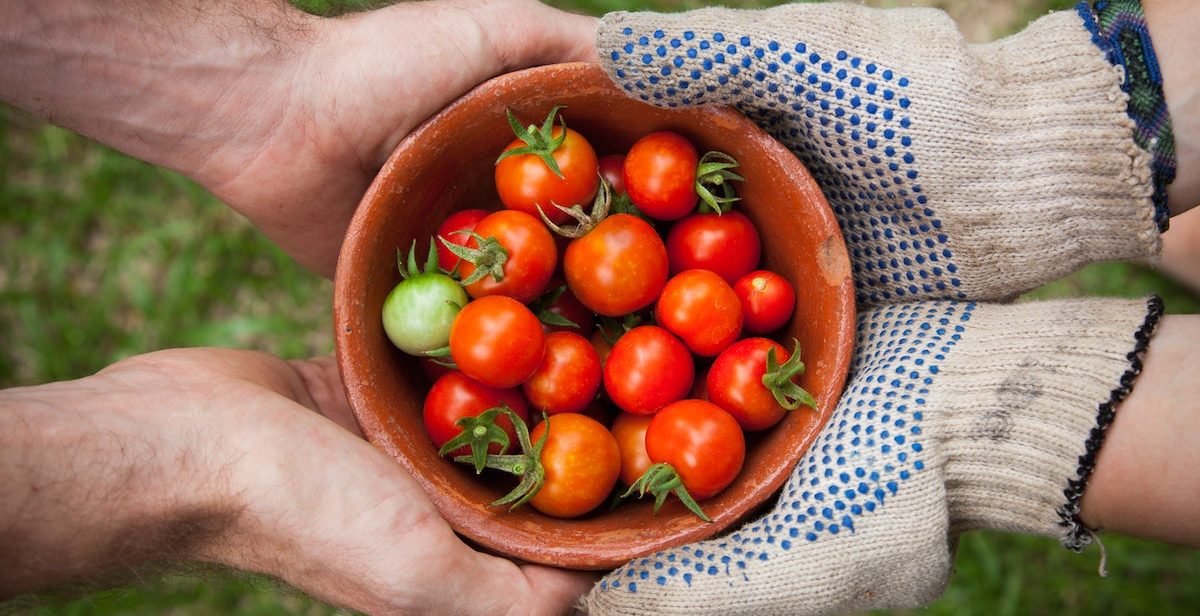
point(462, 220)
point(702, 442)
point(525, 181)
point(702, 309)
point(768, 301)
point(456, 395)
point(647, 369)
point(569, 376)
point(727, 244)
point(735, 383)
point(618, 267)
point(612, 169)
point(630, 431)
point(531, 257)
point(497, 340)
point(660, 175)
point(582, 464)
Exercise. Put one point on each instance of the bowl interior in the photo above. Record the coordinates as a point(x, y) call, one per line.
point(447, 165)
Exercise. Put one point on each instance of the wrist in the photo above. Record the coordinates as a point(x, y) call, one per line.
point(104, 479)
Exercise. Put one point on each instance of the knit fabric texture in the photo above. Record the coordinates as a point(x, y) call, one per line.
point(957, 416)
point(1119, 28)
point(956, 171)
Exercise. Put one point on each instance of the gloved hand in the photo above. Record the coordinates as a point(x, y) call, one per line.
point(958, 173)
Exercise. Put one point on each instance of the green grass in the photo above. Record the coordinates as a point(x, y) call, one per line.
point(102, 257)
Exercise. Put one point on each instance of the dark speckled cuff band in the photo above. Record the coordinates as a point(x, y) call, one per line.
point(1118, 27)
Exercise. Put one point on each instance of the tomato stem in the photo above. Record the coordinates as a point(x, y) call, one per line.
point(587, 221)
point(478, 434)
point(488, 258)
point(780, 380)
point(539, 142)
point(714, 174)
point(527, 465)
point(661, 479)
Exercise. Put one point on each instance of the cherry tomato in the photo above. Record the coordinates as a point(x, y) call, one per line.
point(612, 169)
point(735, 383)
point(455, 395)
point(702, 442)
point(529, 263)
point(768, 301)
point(497, 340)
point(618, 267)
point(582, 463)
point(702, 309)
point(660, 175)
point(630, 431)
point(525, 182)
point(569, 376)
point(727, 244)
point(462, 220)
point(647, 369)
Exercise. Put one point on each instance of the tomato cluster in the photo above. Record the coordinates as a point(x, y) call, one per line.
point(603, 335)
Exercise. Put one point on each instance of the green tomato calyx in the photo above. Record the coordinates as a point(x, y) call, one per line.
point(527, 465)
point(713, 177)
point(662, 479)
point(780, 380)
point(539, 142)
point(489, 257)
point(586, 221)
point(478, 434)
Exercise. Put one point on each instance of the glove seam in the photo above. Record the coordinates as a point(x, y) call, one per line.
point(1078, 535)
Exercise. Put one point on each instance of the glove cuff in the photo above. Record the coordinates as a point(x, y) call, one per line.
point(1119, 29)
point(1019, 450)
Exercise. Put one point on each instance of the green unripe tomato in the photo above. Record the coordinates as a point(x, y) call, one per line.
point(419, 311)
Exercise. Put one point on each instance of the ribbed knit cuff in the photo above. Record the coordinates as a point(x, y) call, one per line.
point(1119, 29)
point(1028, 413)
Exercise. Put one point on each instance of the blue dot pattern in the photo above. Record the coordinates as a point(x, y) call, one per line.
point(846, 117)
point(874, 443)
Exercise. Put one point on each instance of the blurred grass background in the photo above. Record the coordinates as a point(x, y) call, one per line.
point(102, 257)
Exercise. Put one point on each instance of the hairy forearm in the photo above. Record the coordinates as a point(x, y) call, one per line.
point(95, 482)
point(1145, 482)
point(166, 82)
point(1172, 26)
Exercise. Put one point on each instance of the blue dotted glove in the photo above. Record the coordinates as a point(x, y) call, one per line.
point(958, 173)
point(958, 416)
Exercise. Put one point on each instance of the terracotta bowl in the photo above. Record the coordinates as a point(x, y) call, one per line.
point(446, 165)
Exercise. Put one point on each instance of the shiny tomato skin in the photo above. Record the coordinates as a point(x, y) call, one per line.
point(630, 431)
point(454, 396)
point(702, 309)
point(619, 267)
point(497, 340)
point(727, 244)
point(648, 368)
point(462, 220)
point(701, 441)
point(768, 301)
point(735, 384)
point(660, 175)
point(582, 463)
point(524, 181)
point(532, 256)
point(568, 378)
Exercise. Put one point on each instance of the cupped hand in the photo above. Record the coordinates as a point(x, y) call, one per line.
point(319, 507)
point(312, 132)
